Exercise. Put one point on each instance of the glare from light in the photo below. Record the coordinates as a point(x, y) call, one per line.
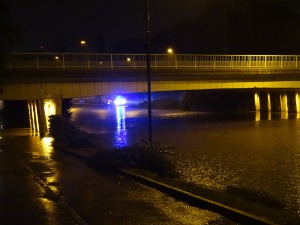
point(120, 101)
point(128, 59)
point(170, 50)
point(49, 109)
point(47, 148)
point(82, 42)
point(56, 57)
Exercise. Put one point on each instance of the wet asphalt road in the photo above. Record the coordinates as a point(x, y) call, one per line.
point(39, 185)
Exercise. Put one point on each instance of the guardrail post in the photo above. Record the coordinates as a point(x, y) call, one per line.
point(195, 62)
point(265, 61)
point(133, 58)
point(281, 62)
point(249, 62)
point(296, 62)
point(175, 58)
point(214, 62)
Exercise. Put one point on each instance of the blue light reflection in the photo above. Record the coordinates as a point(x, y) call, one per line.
point(121, 132)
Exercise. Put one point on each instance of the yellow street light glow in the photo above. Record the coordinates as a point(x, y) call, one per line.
point(170, 51)
point(82, 42)
point(56, 57)
point(128, 59)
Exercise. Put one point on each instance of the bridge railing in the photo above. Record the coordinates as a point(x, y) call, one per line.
point(87, 61)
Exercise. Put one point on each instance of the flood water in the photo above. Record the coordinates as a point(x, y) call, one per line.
point(216, 150)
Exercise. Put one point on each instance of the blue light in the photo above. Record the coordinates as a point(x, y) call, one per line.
point(120, 101)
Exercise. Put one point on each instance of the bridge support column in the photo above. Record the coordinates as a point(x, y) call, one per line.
point(265, 101)
point(297, 101)
point(269, 106)
point(42, 117)
point(283, 102)
point(257, 101)
point(40, 110)
point(37, 116)
point(33, 116)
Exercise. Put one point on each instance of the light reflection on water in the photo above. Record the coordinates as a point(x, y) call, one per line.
point(257, 151)
point(47, 146)
point(120, 133)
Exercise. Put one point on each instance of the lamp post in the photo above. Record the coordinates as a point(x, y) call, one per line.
point(170, 51)
point(83, 45)
point(148, 72)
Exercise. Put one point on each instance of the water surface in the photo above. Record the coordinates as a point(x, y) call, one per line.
point(245, 150)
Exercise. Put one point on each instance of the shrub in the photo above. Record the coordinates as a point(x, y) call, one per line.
point(64, 132)
point(141, 156)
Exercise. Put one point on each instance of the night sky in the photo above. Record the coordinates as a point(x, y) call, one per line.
point(45, 22)
point(189, 26)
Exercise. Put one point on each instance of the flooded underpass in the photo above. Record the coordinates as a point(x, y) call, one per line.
point(60, 189)
point(251, 157)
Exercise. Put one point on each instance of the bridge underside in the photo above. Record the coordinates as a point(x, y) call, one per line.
point(27, 85)
point(76, 90)
point(44, 89)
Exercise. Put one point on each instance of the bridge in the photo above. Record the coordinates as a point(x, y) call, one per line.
point(53, 76)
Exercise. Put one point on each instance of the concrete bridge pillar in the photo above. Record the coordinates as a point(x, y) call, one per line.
point(39, 112)
point(269, 106)
point(37, 116)
point(257, 101)
point(283, 102)
point(297, 102)
point(33, 116)
point(265, 101)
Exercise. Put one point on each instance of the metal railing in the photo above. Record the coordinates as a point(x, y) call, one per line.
point(90, 61)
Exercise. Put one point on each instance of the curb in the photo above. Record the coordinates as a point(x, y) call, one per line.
point(197, 201)
point(190, 198)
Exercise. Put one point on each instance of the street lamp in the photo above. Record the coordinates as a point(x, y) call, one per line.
point(83, 46)
point(170, 51)
point(148, 72)
point(82, 42)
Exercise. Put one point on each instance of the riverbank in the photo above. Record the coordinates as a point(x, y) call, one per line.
point(252, 203)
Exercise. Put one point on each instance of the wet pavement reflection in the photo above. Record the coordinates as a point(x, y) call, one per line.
point(22, 199)
point(96, 197)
